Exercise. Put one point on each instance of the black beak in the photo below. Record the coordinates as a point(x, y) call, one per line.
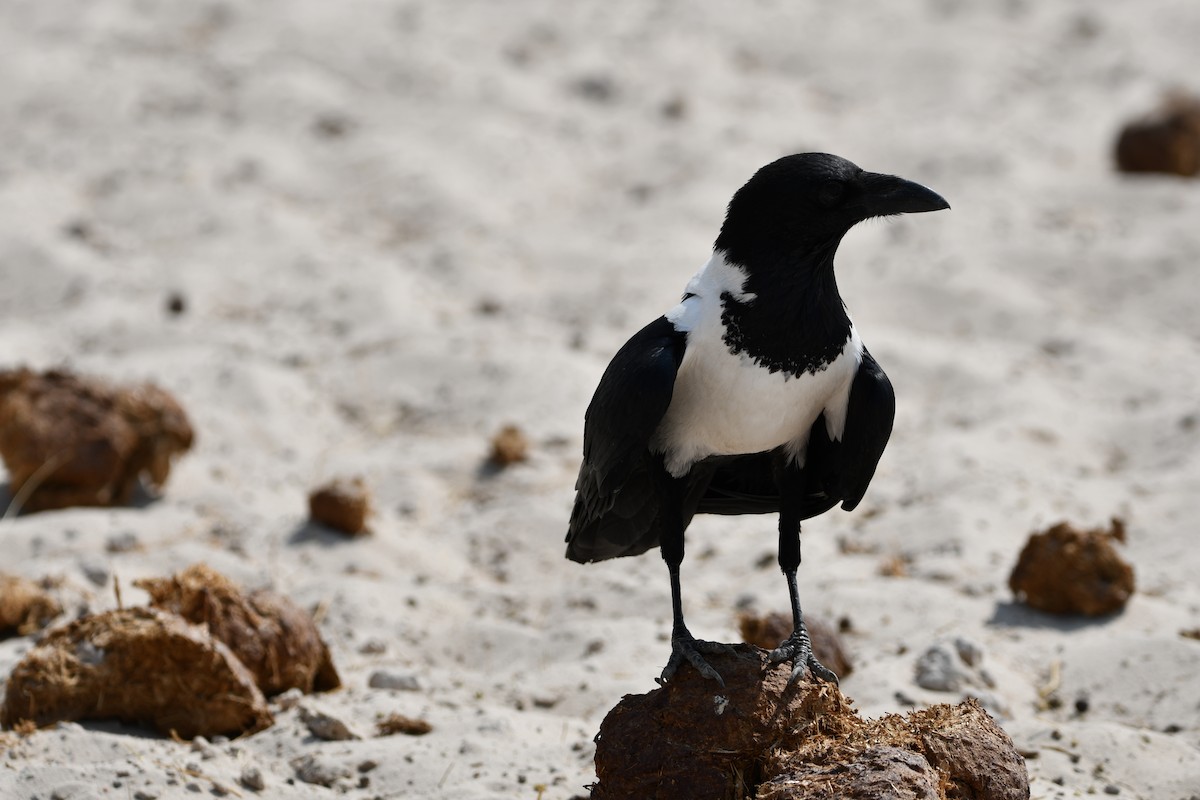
point(887, 194)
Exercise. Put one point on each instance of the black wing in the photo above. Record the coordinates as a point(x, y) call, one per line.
point(617, 494)
point(850, 464)
point(834, 471)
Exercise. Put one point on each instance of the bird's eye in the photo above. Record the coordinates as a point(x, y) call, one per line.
point(831, 193)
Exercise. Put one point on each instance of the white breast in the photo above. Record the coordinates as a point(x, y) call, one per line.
point(726, 404)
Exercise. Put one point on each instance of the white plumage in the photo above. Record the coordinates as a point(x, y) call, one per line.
point(727, 404)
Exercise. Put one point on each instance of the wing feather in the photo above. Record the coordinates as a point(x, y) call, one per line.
point(616, 503)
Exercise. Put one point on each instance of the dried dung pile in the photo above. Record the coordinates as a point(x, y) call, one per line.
point(277, 640)
point(200, 662)
point(73, 441)
point(140, 666)
point(1166, 140)
point(343, 504)
point(25, 607)
point(510, 446)
point(1065, 570)
point(760, 738)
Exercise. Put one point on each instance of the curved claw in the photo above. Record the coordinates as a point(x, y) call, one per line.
point(798, 649)
point(685, 647)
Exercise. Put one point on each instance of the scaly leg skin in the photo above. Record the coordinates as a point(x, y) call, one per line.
point(797, 648)
point(684, 646)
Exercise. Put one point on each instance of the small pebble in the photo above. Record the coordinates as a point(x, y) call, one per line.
point(123, 542)
point(373, 647)
point(950, 666)
point(289, 699)
point(400, 681)
point(310, 769)
point(252, 779)
point(95, 571)
point(325, 726)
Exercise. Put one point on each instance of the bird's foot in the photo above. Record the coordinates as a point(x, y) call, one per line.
point(797, 648)
point(685, 647)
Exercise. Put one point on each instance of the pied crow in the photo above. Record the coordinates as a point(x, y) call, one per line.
point(753, 395)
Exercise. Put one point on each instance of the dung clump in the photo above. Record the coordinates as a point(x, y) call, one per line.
point(277, 641)
point(1166, 140)
point(510, 446)
point(399, 723)
point(343, 505)
point(140, 666)
point(1065, 570)
point(72, 441)
point(868, 774)
point(25, 607)
point(769, 630)
point(761, 737)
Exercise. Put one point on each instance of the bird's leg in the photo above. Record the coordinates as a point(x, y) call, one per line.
point(684, 646)
point(797, 648)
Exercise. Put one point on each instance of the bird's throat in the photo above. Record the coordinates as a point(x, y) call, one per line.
point(794, 323)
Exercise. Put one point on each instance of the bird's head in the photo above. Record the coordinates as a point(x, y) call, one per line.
point(800, 207)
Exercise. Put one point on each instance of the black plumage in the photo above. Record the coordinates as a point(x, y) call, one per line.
point(753, 396)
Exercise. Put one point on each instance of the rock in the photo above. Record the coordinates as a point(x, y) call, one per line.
point(952, 665)
point(373, 647)
point(324, 725)
point(25, 607)
point(311, 769)
point(71, 791)
point(1065, 570)
point(252, 779)
point(288, 700)
point(597, 88)
point(769, 630)
point(96, 570)
point(275, 638)
point(1166, 140)
point(72, 441)
point(332, 125)
point(126, 542)
point(139, 666)
point(399, 681)
point(760, 737)
point(343, 504)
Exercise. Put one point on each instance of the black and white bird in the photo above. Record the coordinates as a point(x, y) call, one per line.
point(754, 395)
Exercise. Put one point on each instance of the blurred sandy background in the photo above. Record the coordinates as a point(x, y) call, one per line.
point(396, 226)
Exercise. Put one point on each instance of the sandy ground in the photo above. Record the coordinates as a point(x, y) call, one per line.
point(397, 226)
